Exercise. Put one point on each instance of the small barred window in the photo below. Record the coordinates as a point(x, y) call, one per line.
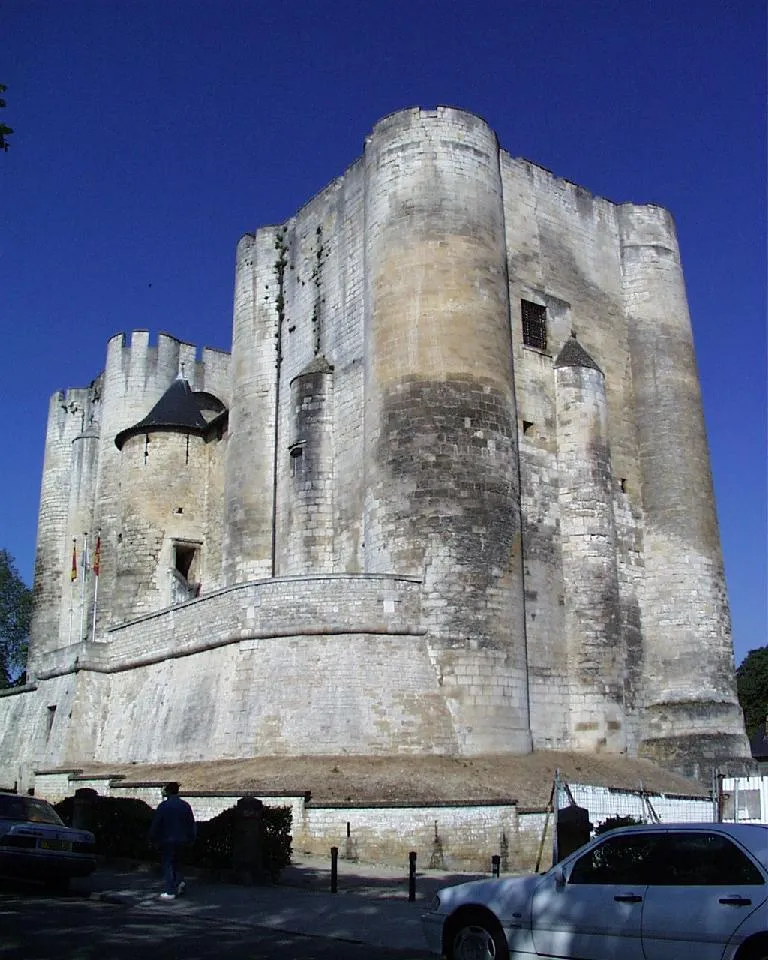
point(534, 324)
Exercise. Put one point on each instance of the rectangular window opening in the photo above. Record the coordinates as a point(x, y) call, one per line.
point(49, 720)
point(185, 572)
point(184, 559)
point(297, 459)
point(534, 317)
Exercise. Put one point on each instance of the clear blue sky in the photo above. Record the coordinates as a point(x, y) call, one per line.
point(151, 135)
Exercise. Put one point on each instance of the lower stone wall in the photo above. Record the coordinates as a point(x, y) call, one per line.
point(32, 719)
point(297, 666)
point(461, 837)
point(446, 837)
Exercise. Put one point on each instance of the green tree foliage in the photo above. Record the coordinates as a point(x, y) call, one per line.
point(4, 130)
point(15, 612)
point(752, 687)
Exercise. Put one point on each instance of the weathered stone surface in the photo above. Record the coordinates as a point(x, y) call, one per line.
point(410, 531)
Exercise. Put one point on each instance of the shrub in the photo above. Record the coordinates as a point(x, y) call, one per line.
point(613, 822)
point(214, 845)
point(120, 825)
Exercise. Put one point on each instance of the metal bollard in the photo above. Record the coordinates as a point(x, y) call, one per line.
point(412, 876)
point(495, 865)
point(334, 869)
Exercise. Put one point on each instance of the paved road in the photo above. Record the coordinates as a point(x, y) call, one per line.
point(34, 926)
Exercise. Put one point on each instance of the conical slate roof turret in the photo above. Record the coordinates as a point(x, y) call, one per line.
point(574, 355)
point(318, 364)
point(179, 410)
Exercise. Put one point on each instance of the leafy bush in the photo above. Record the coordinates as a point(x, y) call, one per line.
point(214, 845)
point(120, 824)
point(613, 822)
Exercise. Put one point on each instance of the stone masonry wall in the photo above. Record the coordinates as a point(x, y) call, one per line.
point(343, 658)
point(563, 253)
point(447, 529)
point(53, 589)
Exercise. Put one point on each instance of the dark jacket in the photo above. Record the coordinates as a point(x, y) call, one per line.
point(173, 822)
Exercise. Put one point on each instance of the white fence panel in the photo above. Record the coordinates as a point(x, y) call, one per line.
point(605, 802)
point(745, 799)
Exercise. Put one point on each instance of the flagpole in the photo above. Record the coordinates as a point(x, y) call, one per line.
point(96, 569)
point(84, 568)
point(95, 598)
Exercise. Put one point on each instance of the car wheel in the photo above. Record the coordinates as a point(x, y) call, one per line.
point(754, 950)
point(477, 936)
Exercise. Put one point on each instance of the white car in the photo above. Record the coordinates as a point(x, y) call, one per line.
point(694, 891)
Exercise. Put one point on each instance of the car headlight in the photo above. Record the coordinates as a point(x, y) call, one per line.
point(435, 904)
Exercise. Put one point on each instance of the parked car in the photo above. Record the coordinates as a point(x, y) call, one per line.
point(652, 892)
point(35, 844)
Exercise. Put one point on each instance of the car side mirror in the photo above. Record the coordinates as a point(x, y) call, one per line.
point(559, 878)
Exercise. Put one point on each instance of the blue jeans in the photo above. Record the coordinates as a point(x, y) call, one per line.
point(170, 860)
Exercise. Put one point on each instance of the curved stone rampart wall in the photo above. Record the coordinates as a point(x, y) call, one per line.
point(316, 665)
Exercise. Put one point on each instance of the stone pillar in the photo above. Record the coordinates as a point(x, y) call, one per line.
point(588, 543)
point(249, 860)
point(442, 484)
point(692, 716)
point(84, 805)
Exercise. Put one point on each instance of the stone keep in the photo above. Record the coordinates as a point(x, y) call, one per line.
point(450, 492)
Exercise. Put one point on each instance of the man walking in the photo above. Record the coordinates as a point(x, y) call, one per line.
point(173, 829)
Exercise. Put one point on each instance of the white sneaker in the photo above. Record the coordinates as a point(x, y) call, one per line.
point(181, 888)
point(167, 896)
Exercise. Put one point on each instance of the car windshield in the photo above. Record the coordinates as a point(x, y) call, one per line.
point(13, 807)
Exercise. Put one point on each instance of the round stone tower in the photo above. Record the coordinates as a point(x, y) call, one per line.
point(134, 380)
point(165, 462)
point(588, 544)
point(692, 717)
point(442, 479)
point(308, 525)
